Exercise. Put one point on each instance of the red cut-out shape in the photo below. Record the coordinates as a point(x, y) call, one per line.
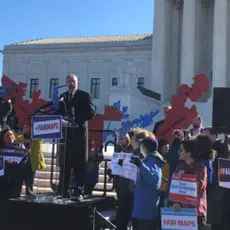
point(179, 116)
point(111, 113)
point(22, 107)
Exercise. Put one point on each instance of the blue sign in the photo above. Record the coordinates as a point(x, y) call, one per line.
point(184, 219)
point(47, 127)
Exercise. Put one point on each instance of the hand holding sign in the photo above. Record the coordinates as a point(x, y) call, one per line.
point(183, 189)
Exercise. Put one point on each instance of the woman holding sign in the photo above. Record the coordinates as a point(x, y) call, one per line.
point(125, 187)
point(196, 196)
point(36, 156)
point(11, 181)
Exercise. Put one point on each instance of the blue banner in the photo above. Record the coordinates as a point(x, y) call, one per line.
point(11, 153)
point(47, 127)
point(12, 150)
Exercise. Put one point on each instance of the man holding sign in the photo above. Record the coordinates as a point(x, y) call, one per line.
point(188, 185)
point(146, 194)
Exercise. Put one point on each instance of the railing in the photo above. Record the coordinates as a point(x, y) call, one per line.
point(105, 189)
point(114, 142)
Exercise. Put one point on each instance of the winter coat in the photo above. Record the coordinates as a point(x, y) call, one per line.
point(147, 189)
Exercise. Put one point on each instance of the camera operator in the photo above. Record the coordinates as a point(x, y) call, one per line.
point(173, 158)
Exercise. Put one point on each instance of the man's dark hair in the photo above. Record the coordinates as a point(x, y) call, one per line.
point(190, 146)
point(151, 144)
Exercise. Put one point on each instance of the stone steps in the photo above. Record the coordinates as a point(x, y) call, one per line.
point(42, 177)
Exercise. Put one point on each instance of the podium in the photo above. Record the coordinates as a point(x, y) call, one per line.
point(64, 148)
point(63, 132)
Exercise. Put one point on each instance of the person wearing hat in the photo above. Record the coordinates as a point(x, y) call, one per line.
point(146, 193)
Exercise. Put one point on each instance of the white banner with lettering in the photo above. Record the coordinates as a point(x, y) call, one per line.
point(126, 169)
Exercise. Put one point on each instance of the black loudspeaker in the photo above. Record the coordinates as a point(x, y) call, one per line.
point(221, 110)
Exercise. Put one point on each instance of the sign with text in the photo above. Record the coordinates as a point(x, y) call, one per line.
point(183, 189)
point(185, 219)
point(117, 169)
point(11, 153)
point(224, 172)
point(127, 169)
point(47, 127)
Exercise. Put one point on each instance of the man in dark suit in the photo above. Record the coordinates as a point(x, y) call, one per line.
point(77, 106)
point(159, 123)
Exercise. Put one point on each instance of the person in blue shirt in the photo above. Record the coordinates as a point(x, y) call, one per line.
point(147, 189)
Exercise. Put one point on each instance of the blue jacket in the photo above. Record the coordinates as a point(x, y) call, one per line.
point(147, 190)
point(208, 164)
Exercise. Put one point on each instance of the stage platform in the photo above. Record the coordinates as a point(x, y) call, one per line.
point(49, 213)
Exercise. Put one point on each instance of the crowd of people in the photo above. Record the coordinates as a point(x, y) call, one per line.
point(194, 151)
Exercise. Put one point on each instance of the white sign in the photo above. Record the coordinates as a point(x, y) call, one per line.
point(127, 170)
point(117, 169)
point(185, 219)
point(183, 189)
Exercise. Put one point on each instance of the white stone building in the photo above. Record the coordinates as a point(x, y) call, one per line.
point(103, 64)
point(190, 36)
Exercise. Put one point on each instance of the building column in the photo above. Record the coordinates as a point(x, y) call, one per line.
point(161, 46)
point(189, 40)
point(220, 43)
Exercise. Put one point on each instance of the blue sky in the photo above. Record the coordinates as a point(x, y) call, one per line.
point(22, 20)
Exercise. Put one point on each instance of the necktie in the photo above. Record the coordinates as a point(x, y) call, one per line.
point(70, 97)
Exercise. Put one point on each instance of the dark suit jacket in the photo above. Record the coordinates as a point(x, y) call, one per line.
point(157, 125)
point(77, 138)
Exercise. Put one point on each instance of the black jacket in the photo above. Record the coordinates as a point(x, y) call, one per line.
point(77, 138)
point(82, 103)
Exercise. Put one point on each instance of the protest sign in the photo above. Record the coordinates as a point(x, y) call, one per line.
point(47, 127)
point(12, 154)
point(183, 189)
point(224, 172)
point(185, 219)
point(117, 169)
point(127, 170)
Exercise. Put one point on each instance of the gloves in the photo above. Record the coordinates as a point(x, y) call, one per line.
point(136, 160)
point(120, 162)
